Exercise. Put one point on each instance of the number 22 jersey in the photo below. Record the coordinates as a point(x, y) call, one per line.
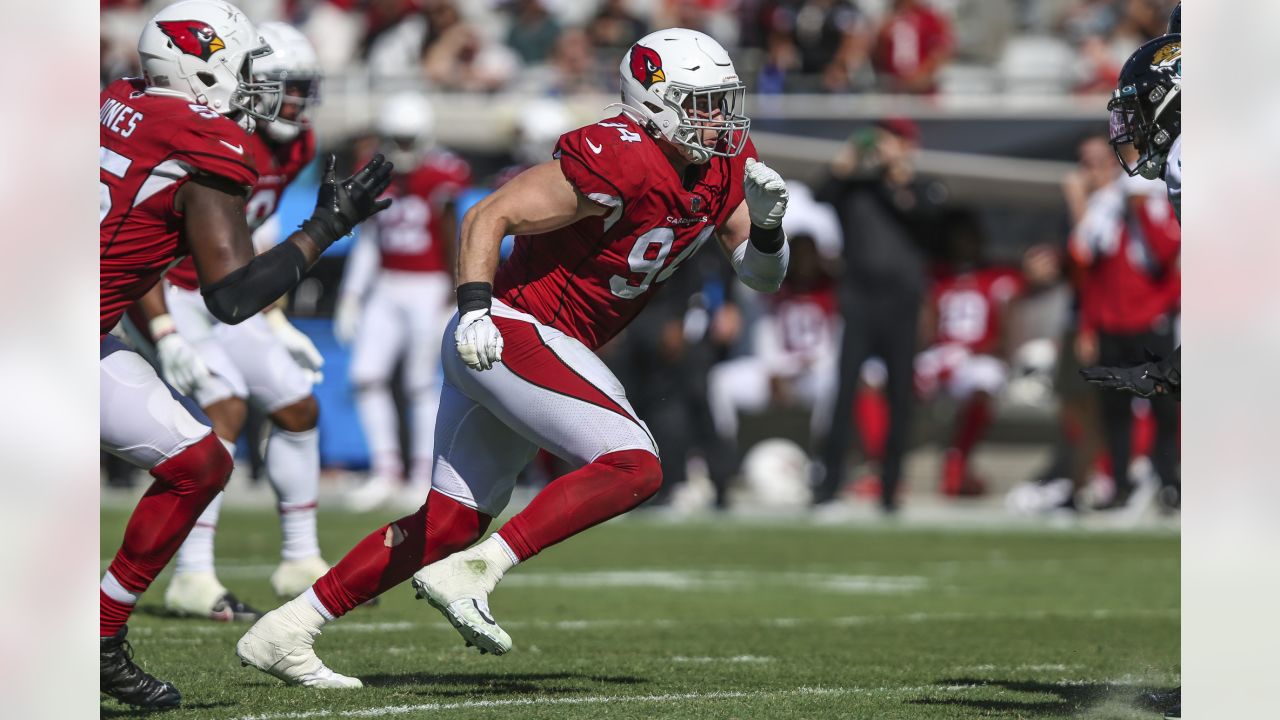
point(591, 278)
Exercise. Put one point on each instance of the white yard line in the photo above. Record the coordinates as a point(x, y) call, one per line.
point(702, 659)
point(657, 623)
point(585, 700)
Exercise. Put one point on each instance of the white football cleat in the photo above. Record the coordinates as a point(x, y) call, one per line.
point(459, 587)
point(377, 491)
point(201, 595)
point(280, 644)
point(292, 577)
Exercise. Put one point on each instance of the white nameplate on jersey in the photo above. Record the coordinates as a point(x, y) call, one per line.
point(118, 117)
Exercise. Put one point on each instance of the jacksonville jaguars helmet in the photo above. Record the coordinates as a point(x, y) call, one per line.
point(1175, 20)
point(1146, 106)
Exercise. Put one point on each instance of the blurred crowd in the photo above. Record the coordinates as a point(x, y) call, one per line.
point(566, 47)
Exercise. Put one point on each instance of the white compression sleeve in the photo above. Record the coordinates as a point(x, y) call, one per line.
point(758, 271)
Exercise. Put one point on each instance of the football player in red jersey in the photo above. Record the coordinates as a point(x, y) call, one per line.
point(395, 299)
point(598, 228)
point(963, 321)
point(797, 339)
point(174, 176)
point(263, 358)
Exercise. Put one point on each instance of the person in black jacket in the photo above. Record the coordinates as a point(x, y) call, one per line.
point(887, 214)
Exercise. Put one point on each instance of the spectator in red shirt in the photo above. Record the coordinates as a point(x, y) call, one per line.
point(911, 46)
point(1127, 241)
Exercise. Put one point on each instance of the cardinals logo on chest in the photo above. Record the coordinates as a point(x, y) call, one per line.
point(193, 37)
point(646, 66)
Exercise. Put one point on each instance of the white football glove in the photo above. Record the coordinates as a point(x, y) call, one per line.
point(346, 319)
point(180, 364)
point(478, 339)
point(766, 194)
point(300, 346)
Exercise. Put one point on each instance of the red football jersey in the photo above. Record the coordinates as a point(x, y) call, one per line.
point(969, 306)
point(409, 233)
point(278, 165)
point(806, 318)
point(591, 278)
point(150, 146)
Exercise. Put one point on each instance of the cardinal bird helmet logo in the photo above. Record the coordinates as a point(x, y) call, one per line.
point(193, 37)
point(646, 66)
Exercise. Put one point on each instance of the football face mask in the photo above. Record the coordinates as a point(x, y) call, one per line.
point(712, 118)
point(258, 99)
point(1130, 126)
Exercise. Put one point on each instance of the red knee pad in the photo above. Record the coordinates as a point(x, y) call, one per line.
point(640, 469)
point(202, 468)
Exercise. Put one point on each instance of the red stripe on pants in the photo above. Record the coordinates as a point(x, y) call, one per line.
point(529, 358)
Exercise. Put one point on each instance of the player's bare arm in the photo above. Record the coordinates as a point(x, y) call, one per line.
point(237, 285)
point(752, 238)
point(536, 201)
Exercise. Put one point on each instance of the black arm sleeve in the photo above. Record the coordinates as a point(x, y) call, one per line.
point(248, 290)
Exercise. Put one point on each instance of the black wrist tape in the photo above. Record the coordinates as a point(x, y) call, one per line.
point(474, 296)
point(767, 240)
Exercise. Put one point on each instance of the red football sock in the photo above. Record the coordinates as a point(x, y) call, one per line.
point(975, 418)
point(112, 614)
point(389, 555)
point(185, 484)
point(588, 496)
point(871, 410)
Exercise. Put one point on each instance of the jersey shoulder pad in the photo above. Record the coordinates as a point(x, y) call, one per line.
point(1173, 168)
point(215, 145)
point(612, 157)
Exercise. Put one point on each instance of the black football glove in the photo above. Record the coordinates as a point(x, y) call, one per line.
point(340, 206)
point(1156, 377)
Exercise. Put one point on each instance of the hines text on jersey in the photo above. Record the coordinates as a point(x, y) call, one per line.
point(119, 118)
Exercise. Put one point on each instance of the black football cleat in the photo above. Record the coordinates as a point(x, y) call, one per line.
point(123, 680)
point(233, 609)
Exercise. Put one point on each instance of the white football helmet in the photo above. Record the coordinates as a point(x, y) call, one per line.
point(539, 128)
point(407, 125)
point(203, 50)
point(292, 63)
point(775, 474)
point(681, 82)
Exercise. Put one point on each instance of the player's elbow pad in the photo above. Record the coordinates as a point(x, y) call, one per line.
point(762, 272)
point(247, 291)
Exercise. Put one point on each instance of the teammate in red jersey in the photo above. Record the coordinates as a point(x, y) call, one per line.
point(173, 181)
point(796, 342)
point(264, 359)
point(395, 300)
point(964, 320)
point(598, 228)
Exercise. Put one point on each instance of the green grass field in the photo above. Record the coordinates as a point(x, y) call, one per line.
point(643, 618)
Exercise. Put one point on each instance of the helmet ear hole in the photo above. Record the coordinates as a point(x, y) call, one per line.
point(207, 78)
